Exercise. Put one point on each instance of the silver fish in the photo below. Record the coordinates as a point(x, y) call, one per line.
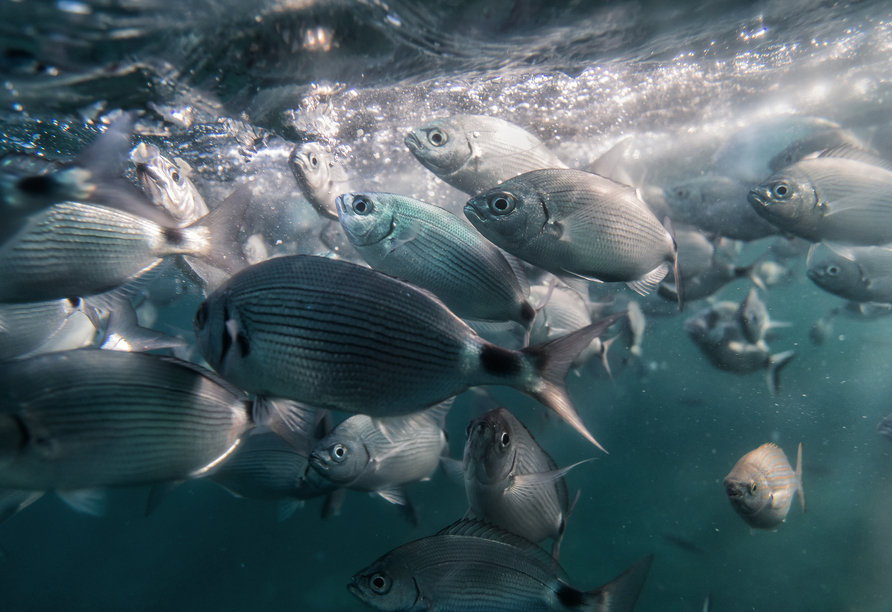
point(319, 177)
point(42, 327)
point(475, 152)
point(435, 250)
point(885, 427)
point(762, 484)
point(576, 224)
point(77, 249)
point(717, 205)
point(511, 482)
point(859, 274)
point(472, 565)
point(844, 195)
point(383, 455)
point(340, 336)
point(752, 314)
point(717, 333)
point(167, 185)
point(90, 418)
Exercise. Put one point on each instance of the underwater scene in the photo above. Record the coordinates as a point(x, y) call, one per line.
point(451, 305)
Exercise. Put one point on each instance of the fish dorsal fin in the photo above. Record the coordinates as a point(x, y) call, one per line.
point(847, 151)
point(474, 528)
point(400, 427)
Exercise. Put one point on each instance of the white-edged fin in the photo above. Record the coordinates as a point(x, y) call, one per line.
point(223, 250)
point(454, 469)
point(523, 486)
point(86, 501)
point(395, 495)
point(158, 492)
point(800, 491)
point(519, 272)
point(475, 528)
point(610, 163)
point(847, 151)
point(292, 421)
point(13, 501)
point(843, 250)
point(775, 364)
point(621, 593)
point(75, 332)
point(286, 508)
point(649, 281)
point(398, 428)
point(123, 333)
point(577, 283)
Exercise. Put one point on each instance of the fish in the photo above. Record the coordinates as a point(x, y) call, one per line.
point(84, 419)
point(885, 427)
point(94, 176)
point(473, 565)
point(717, 332)
point(336, 335)
point(78, 249)
point(40, 327)
point(710, 267)
point(512, 482)
point(843, 195)
point(637, 325)
point(435, 250)
point(383, 455)
point(717, 205)
point(320, 178)
point(752, 314)
point(167, 184)
point(762, 484)
point(578, 225)
point(858, 274)
point(475, 152)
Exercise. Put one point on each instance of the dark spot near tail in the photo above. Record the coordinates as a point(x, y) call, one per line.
point(174, 236)
point(527, 312)
point(38, 185)
point(74, 302)
point(570, 597)
point(500, 362)
point(243, 346)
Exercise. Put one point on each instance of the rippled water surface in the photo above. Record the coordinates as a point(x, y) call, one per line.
point(230, 87)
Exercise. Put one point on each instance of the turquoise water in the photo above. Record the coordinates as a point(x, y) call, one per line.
point(231, 95)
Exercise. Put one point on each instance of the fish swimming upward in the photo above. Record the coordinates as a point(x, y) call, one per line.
point(762, 484)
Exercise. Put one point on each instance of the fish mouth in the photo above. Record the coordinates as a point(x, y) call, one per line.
point(316, 461)
point(355, 589)
point(733, 490)
point(413, 143)
point(341, 205)
point(470, 210)
point(758, 197)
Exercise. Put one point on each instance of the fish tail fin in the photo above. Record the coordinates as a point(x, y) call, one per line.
point(552, 361)
point(224, 224)
point(123, 332)
point(799, 490)
point(605, 345)
point(775, 364)
point(621, 593)
point(676, 271)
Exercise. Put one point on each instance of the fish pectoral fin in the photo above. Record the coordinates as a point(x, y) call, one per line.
point(577, 283)
point(86, 501)
point(408, 235)
point(454, 469)
point(649, 281)
point(287, 507)
point(395, 495)
point(525, 485)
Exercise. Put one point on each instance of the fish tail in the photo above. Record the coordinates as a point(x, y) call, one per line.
point(621, 593)
point(552, 361)
point(676, 271)
point(775, 364)
point(799, 490)
point(224, 223)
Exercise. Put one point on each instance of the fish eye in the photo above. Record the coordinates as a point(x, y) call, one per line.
point(832, 270)
point(175, 176)
point(314, 161)
point(501, 203)
point(201, 316)
point(380, 583)
point(362, 206)
point(437, 138)
point(339, 452)
point(505, 439)
point(782, 190)
point(753, 487)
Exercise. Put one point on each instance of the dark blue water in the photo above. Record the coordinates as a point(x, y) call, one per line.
point(230, 88)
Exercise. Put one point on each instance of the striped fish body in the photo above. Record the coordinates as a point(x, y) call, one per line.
point(376, 454)
point(498, 450)
point(264, 466)
point(89, 418)
point(762, 485)
point(574, 223)
point(437, 251)
point(475, 152)
point(26, 327)
point(474, 567)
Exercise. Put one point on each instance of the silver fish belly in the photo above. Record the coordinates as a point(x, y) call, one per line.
point(88, 418)
point(762, 485)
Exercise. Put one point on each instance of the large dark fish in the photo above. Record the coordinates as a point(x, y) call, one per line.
point(762, 484)
point(336, 335)
point(472, 565)
point(575, 224)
